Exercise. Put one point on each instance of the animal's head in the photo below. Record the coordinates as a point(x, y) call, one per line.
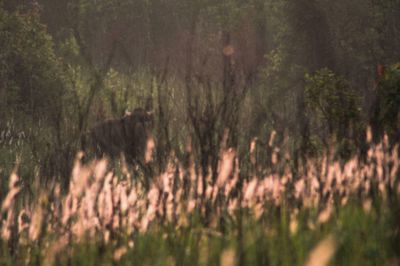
point(139, 119)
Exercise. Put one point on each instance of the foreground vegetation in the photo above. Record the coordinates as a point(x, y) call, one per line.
point(326, 211)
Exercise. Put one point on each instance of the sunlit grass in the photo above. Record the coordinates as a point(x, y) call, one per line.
point(329, 211)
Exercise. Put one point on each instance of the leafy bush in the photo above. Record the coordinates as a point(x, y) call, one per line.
point(31, 92)
point(387, 104)
point(333, 107)
point(30, 77)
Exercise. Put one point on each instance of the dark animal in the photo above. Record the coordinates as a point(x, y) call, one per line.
point(129, 136)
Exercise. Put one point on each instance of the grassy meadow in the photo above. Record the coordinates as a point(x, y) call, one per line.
point(325, 212)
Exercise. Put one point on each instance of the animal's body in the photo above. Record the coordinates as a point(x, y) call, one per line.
point(128, 136)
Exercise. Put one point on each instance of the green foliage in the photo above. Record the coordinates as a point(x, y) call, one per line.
point(30, 78)
point(361, 239)
point(330, 98)
point(334, 110)
point(31, 92)
point(388, 95)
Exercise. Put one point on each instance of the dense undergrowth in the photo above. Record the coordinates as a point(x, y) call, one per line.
point(341, 212)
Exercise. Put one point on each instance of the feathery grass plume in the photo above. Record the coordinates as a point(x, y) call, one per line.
point(100, 169)
point(233, 204)
point(80, 176)
point(249, 191)
point(228, 257)
point(258, 210)
point(272, 138)
point(226, 167)
point(9, 200)
point(37, 219)
point(153, 197)
point(200, 185)
point(274, 156)
point(149, 150)
point(123, 197)
point(294, 224)
point(253, 146)
point(119, 252)
point(324, 215)
point(231, 184)
point(6, 228)
point(369, 135)
point(395, 166)
point(54, 250)
point(322, 253)
point(101, 206)
point(105, 201)
point(344, 201)
point(13, 190)
point(367, 205)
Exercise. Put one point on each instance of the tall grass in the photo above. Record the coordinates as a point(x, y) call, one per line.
point(324, 211)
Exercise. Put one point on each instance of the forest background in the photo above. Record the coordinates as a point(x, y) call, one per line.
point(313, 70)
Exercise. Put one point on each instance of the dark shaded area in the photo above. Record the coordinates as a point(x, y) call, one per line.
point(213, 72)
